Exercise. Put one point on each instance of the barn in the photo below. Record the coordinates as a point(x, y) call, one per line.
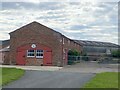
point(36, 44)
point(95, 50)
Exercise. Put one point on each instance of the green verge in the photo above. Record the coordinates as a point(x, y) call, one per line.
point(8, 75)
point(103, 80)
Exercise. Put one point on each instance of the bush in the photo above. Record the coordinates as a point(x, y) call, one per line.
point(74, 53)
point(116, 53)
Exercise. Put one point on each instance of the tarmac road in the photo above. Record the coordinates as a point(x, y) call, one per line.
point(51, 79)
point(71, 76)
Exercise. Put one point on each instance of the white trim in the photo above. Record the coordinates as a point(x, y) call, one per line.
point(30, 56)
point(40, 53)
point(39, 56)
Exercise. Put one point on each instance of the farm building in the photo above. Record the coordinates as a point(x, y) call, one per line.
point(95, 49)
point(36, 44)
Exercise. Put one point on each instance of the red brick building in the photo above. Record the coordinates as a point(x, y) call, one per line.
point(36, 44)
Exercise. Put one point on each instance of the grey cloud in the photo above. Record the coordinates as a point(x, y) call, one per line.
point(74, 3)
point(50, 17)
point(107, 5)
point(69, 15)
point(104, 8)
point(50, 6)
point(13, 5)
point(78, 27)
point(27, 5)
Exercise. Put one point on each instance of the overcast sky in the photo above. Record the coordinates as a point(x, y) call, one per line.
point(97, 21)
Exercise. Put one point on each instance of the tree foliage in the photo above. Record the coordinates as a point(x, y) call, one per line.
point(116, 53)
point(74, 53)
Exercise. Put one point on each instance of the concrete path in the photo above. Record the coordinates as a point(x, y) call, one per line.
point(48, 79)
point(41, 68)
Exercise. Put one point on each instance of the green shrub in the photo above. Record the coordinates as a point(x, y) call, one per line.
point(74, 53)
point(115, 53)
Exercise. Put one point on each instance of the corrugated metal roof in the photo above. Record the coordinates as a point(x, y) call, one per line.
point(96, 43)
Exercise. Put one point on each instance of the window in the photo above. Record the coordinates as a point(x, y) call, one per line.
point(35, 53)
point(39, 53)
point(30, 53)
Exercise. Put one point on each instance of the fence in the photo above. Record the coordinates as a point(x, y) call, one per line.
point(78, 58)
point(100, 59)
point(74, 59)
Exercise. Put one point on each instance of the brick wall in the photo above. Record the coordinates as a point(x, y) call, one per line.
point(69, 44)
point(37, 33)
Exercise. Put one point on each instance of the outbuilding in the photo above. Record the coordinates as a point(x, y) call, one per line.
point(36, 44)
point(95, 50)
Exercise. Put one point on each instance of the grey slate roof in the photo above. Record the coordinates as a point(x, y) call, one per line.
point(96, 43)
point(5, 44)
point(5, 49)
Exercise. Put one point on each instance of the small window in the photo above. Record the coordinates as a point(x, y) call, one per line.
point(30, 53)
point(39, 53)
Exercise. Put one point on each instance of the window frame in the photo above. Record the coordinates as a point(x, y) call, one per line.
point(40, 53)
point(30, 53)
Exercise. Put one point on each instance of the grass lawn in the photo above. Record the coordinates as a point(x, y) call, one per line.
point(9, 75)
point(104, 80)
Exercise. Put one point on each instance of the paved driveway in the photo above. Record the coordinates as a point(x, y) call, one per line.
point(90, 67)
point(50, 79)
point(74, 76)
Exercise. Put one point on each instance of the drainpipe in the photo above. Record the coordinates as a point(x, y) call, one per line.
point(62, 52)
